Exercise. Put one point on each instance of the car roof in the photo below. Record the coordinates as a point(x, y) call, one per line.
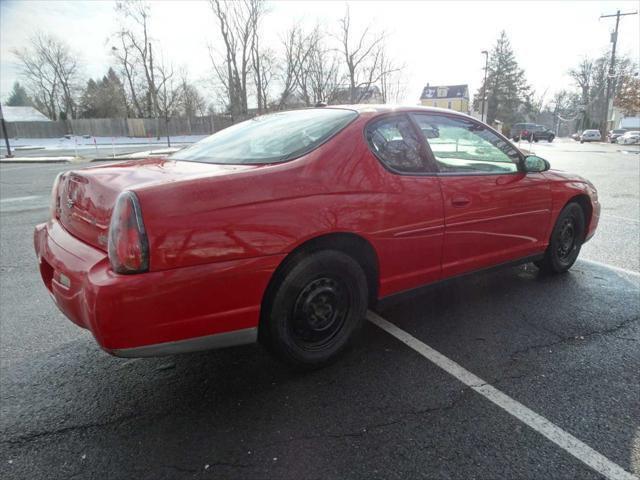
point(375, 109)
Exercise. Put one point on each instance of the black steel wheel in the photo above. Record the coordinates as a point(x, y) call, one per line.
point(566, 240)
point(317, 306)
point(319, 312)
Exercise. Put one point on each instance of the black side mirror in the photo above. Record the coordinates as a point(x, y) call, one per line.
point(535, 164)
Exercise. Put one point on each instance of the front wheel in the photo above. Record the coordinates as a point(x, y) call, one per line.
point(551, 138)
point(566, 240)
point(316, 309)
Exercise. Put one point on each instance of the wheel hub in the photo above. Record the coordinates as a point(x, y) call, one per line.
point(566, 238)
point(320, 311)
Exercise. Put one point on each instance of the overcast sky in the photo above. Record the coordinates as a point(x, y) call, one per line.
point(439, 42)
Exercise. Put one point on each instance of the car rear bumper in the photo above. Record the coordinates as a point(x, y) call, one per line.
point(155, 313)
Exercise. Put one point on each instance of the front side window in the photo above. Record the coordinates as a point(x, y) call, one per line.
point(270, 138)
point(395, 142)
point(460, 145)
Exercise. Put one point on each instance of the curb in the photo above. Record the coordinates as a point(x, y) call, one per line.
point(37, 160)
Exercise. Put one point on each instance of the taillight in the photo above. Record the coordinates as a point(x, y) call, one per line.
point(128, 244)
point(55, 197)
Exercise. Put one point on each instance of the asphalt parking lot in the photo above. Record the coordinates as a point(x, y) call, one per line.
point(561, 352)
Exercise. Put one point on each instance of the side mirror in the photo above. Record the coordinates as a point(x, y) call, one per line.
point(535, 164)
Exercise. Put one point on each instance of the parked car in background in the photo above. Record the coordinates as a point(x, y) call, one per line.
point(615, 134)
point(540, 132)
point(629, 138)
point(521, 131)
point(576, 137)
point(285, 228)
point(531, 132)
point(590, 136)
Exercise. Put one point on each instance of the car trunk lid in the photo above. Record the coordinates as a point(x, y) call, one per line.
point(85, 198)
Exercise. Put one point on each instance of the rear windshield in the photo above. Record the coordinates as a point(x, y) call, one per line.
point(270, 138)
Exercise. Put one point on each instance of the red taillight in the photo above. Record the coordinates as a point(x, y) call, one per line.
point(128, 244)
point(55, 197)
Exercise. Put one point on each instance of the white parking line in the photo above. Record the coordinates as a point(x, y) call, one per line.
point(612, 267)
point(563, 439)
point(19, 199)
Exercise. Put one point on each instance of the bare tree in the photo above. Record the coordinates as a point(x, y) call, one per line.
point(391, 90)
point(583, 76)
point(363, 56)
point(297, 51)
point(169, 94)
point(324, 70)
point(263, 75)
point(260, 62)
point(137, 54)
point(51, 70)
point(237, 22)
point(128, 67)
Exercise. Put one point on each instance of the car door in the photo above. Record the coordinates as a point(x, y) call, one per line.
point(494, 212)
point(409, 240)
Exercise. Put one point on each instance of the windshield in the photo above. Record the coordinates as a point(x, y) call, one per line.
point(270, 138)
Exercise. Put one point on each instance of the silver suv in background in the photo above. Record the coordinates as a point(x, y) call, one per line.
point(590, 136)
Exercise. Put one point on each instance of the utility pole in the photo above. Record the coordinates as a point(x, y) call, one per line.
point(484, 85)
point(4, 133)
point(610, 75)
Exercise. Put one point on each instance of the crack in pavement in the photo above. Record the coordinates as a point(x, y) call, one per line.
point(61, 431)
point(368, 428)
point(567, 339)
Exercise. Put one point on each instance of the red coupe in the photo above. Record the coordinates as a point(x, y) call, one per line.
point(287, 227)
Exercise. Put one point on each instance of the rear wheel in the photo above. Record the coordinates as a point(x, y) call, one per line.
point(566, 240)
point(316, 309)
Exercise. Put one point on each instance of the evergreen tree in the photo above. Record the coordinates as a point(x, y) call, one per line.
point(508, 94)
point(104, 98)
point(19, 97)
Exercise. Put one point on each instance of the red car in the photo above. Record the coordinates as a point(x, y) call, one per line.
point(287, 227)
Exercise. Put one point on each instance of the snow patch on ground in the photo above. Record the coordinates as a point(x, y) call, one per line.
point(84, 143)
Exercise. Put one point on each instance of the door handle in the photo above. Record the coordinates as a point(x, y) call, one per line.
point(460, 201)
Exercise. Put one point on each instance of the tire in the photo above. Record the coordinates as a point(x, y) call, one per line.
point(566, 240)
point(581, 141)
point(551, 138)
point(536, 139)
point(316, 309)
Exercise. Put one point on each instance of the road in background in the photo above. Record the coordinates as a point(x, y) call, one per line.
point(564, 346)
point(615, 172)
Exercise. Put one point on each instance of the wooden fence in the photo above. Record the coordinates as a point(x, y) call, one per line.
point(120, 127)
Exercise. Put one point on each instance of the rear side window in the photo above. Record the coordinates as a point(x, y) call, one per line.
point(395, 142)
point(270, 138)
point(462, 146)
